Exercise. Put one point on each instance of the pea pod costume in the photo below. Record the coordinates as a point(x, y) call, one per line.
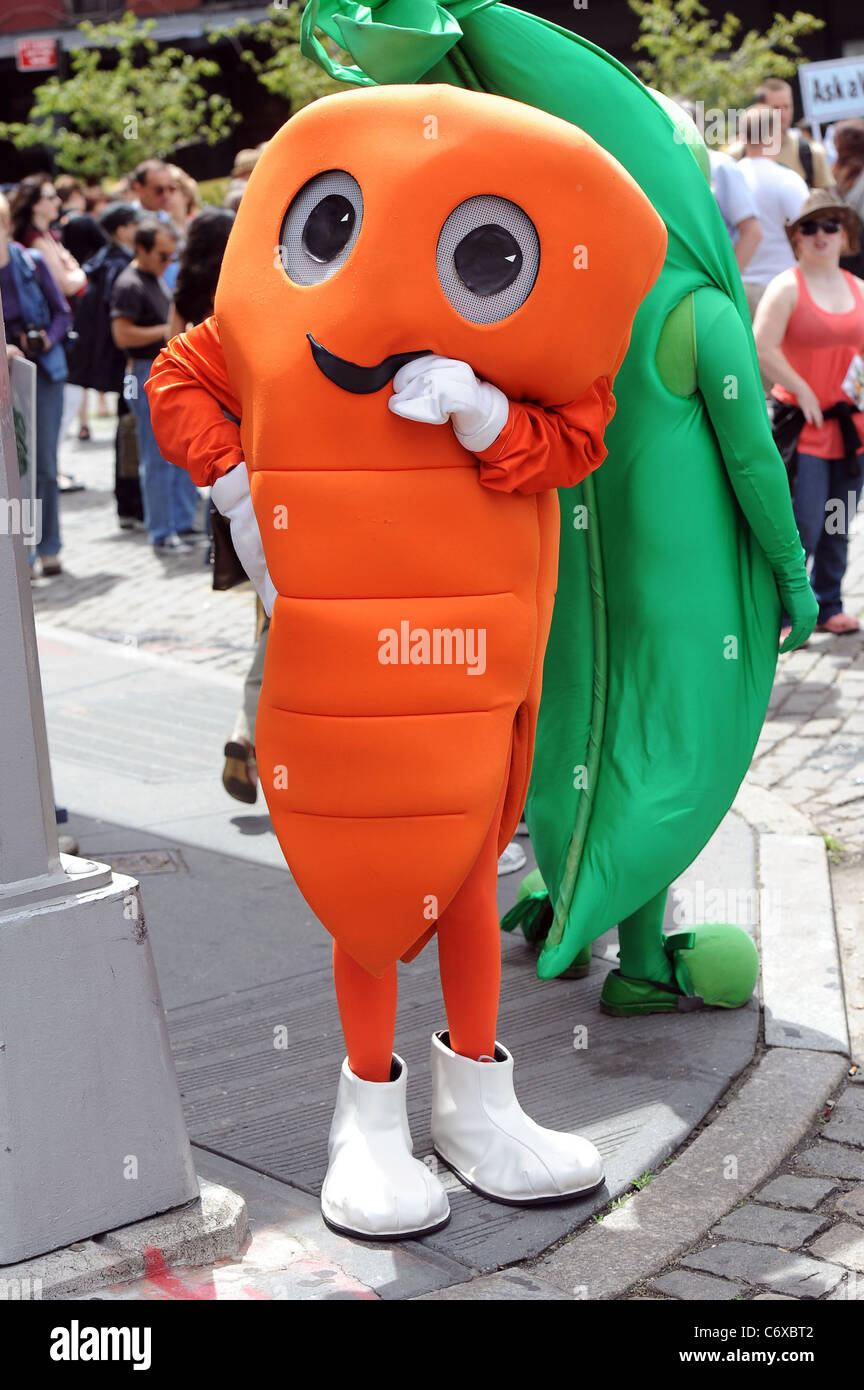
point(675, 558)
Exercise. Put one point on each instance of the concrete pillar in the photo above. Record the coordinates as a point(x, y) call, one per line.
point(91, 1128)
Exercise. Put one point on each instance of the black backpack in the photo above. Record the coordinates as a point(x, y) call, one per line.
point(805, 154)
point(93, 358)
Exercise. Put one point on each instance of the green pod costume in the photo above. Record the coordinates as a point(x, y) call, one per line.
point(676, 556)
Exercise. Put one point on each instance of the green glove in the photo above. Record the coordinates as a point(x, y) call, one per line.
point(800, 603)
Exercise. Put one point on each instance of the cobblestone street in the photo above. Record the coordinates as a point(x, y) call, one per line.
point(811, 750)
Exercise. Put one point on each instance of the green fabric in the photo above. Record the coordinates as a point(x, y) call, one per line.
point(627, 998)
point(721, 966)
point(390, 40)
point(676, 349)
point(664, 636)
point(641, 950)
point(532, 910)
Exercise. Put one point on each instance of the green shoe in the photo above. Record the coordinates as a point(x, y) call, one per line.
point(719, 970)
point(533, 913)
point(581, 965)
point(625, 998)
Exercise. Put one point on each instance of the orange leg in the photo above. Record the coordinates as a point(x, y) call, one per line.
point(469, 957)
point(367, 1009)
point(469, 954)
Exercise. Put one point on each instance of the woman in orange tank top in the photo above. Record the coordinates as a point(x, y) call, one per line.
point(808, 329)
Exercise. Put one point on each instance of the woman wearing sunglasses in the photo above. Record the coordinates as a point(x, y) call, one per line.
point(809, 327)
point(35, 206)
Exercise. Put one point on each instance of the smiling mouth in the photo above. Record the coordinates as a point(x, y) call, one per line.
point(361, 381)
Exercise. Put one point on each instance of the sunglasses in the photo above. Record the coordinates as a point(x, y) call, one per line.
point(164, 256)
point(161, 188)
point(50, 197)
point(829, 226)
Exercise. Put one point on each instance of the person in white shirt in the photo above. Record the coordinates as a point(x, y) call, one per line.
point(778, 195)
point(736, 205)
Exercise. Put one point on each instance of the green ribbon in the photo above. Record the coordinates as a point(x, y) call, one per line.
point(389, 40)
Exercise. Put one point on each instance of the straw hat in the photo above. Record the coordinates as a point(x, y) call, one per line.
point(820, 201)
point(244, 163)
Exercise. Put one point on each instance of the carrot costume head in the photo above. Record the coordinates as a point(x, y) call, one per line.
point(404, 219)
point(414, 602)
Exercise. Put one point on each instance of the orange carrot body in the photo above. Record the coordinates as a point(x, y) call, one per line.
point(415, 580)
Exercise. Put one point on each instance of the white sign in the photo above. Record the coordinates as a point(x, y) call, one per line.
point(22, 383)
point(832, 90)
point(36, 55)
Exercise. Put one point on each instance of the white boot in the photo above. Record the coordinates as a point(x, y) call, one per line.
point(374, 1188)
point(480, 1131)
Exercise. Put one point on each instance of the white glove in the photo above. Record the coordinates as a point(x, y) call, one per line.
point(232, 498)
point(434, 390)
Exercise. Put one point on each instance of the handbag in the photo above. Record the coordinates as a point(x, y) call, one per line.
point(227, 569)
point(787, 422)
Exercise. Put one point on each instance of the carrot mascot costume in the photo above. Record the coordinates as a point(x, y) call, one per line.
point(422, 306)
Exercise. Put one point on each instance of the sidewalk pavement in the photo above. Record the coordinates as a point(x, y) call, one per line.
point(734, 1141)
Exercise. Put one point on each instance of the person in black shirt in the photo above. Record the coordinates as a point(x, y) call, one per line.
point(95, 359)
point(140, 304)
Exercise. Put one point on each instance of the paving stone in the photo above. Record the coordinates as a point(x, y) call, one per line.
point(796, 796)
point(831, 1161)
point(850, 1289)
point(803, 1193)
point(810, 778)
point(782, 1271)
point(783, 727)
point(680, 1283)
point(768, 1226)
point(810, 703)
point(818, 728)
point(843, 1244)
point(774, 1298)
point(846, 1124)
point(504, 1285)
point(852, 1204)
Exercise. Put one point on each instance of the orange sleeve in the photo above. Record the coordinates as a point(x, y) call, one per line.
point(187, 388)
point(547, 447)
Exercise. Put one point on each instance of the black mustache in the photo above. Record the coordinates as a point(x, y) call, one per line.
point(361, 381)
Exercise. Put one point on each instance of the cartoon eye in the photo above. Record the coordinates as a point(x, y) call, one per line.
point(320, 227)
point(488, 256)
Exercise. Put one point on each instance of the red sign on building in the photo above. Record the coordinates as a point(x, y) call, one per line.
point(36, 55)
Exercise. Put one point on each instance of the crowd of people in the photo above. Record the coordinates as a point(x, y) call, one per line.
point(793, 208)
point(94, 281)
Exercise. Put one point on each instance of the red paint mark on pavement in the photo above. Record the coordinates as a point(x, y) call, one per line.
point(171, 1285)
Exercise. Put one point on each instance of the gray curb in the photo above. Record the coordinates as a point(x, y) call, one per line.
point(735, 1154)
point(214, 1227)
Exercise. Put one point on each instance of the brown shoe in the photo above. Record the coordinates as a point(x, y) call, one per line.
point(239, 777)
point(51, 566)
point(840, 623)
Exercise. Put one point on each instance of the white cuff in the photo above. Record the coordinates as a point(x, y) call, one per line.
point(230, 489)
point(497, 408)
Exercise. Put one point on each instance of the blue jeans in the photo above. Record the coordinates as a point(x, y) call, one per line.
point(824, 504)
point(49, 410)
point(169, 495)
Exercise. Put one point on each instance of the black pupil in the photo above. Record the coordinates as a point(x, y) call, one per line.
point(328, 227)
point(488, 259)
